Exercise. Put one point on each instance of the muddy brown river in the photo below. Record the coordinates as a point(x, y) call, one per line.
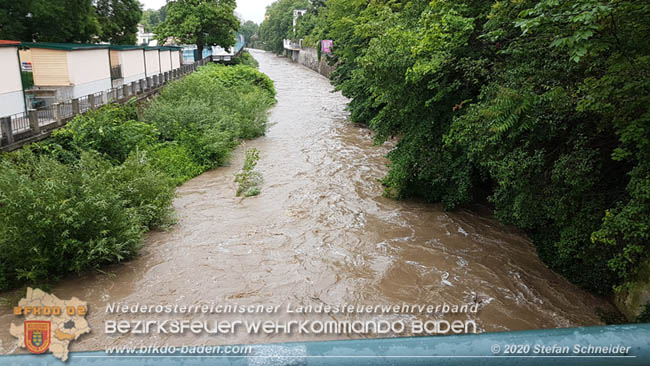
point(321, 233)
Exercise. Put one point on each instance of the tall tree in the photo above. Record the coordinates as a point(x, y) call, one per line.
point(62, 21)
point(70, 20)
point(152, 18)
point(13, 19)
point(249, 29)
point(118, 20)
point(201, 22)
point(279, 23)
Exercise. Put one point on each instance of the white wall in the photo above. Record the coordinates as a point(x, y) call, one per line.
point(176, 59)
point(153, 66)
point(132, 62)
point(11, 88)
point(90, 71)
point(165, 61)
point(88, 65)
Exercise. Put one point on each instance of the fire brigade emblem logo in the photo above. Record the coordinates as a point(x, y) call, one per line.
point(37, 335)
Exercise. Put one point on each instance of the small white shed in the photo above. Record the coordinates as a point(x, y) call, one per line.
point(72, 69)
point(152, 61)
point(12, 100)
point(177, 57)
point(127, 63)
point(165, 59)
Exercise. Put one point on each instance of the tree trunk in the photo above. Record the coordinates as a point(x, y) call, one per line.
point(199, 49)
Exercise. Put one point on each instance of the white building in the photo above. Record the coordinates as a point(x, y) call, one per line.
point(152, 61)
point(71, 70)
point(165, 56)
point(143, 37)
point(130, 61)
point(12, 100)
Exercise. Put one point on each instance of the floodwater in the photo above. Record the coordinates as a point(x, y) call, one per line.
point(321, 233)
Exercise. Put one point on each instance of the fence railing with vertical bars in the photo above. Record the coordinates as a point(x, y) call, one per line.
point(33, 125)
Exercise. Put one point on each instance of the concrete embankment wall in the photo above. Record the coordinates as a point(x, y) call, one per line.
point(309, 57)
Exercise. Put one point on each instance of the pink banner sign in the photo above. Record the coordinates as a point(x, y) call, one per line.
point(326, 45)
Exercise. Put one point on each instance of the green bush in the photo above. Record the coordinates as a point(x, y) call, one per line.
point(112, 130)
point(246, 59)
point(175, 161)
point(145, 188)
point(56, 218)
point(207, 113)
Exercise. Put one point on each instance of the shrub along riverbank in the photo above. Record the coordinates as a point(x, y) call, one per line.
point(86, 196)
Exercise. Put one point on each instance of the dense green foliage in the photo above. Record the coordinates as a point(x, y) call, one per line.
point(70, 20)
point(539, 107)
point(201, 118)
point(248, 29)
point(245, 59)
point(84, 197)
point(118, 20)
point(200, 22)
point(152, 18)
point(279, 24)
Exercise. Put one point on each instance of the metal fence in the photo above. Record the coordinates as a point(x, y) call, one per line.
point(20, 122)
point(22, 126)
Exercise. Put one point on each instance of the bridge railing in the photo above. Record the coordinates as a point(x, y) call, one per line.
point(19, 129)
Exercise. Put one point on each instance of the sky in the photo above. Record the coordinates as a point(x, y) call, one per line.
point(248, 9)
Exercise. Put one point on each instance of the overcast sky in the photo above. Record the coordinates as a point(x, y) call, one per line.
point(249, 9)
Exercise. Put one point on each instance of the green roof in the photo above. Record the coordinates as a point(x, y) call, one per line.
point(120, 47)
point(64, 46)
point(163, 48)
point(91, 46)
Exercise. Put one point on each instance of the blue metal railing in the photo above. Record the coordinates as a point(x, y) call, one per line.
point(484, 349)
point(241, 43)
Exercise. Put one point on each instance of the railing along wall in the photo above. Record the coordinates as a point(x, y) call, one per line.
point(23, 128)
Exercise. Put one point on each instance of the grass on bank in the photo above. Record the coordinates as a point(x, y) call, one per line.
point(84, 197)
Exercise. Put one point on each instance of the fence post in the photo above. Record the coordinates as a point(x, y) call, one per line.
point(33, 121)
point(56, 112)
point(139, 111)
point(5, 127)
point(125, 90)
point(75, 107)
point(141, 86)
point(156, 81)
point(148, 82)
point(91, 101)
